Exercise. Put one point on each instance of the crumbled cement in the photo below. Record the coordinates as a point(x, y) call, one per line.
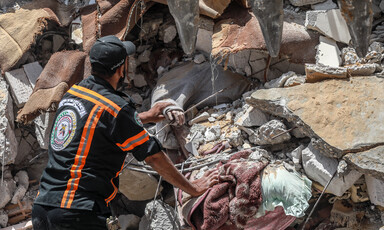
point(159, 216)
point(3, 219)
point(265, 135)
point(319, 72)
point(295, 80)
point(235, 138)
point(362, 69)
point(349, 56)
point(279, 82)
point(212, 133)
point(202, 117)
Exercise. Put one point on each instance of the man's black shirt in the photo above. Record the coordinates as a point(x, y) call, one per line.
point(94, 129)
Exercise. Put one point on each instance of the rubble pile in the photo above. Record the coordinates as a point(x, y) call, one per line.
point(305, 101)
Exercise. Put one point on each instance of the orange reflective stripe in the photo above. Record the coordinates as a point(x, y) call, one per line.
point(81, 156)
point(134, 141)
point(96, 102)
point(114, 186)
point(109, 102)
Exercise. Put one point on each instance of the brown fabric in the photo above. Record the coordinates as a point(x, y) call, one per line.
point(240, 30)
point(18, 31)
point(62, 71)
point(40, 101)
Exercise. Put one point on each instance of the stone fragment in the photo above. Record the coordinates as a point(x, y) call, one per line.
point(295, 80)
point(33, 71)
point(3, 219)
point(316, 73)
point(144, 56)
point(361, 69)
point(212, 133)
point(321, 168)
point(159, 216)
point(20, 87)
point(8, 143)
point(150, 29)
point(304, 2)
point(137, 98)
point(252, 117)
point(139, 80)
point(279, 82)
point(348, 108)
point(7, 188)
point(21, 179)
point(43, 126)
point(202, 117)
point(327, 5)
point(235, 139)
point(349, 56)
point(131, 182)
point(375, 189)
point(129, 221)
point(328, 53)
point(325, 22)
point(199, 59)
point(204, 35)
point(211, 119)
point(297, 155)
point(368, 162)
point(168, 33)
point(265, 135)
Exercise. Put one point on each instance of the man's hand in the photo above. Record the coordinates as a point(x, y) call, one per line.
point(210, 178)
point(155, 114)
point(164, 166)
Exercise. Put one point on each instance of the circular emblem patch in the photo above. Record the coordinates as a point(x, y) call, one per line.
point(63, 130)
point(137, 119)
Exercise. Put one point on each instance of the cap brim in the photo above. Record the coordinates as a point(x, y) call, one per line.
point(129, 47)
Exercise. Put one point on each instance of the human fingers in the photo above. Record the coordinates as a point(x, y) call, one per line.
point(170, 115)
point(177, 117)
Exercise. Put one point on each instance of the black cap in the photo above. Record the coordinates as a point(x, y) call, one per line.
point(110, 52)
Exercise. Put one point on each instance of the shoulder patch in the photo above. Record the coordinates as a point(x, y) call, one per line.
point(63, 130)
point(75, 104)
point(137, 119)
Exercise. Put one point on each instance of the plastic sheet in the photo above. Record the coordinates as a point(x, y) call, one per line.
point(186, 15)
point(359, 16)
point(270, 15)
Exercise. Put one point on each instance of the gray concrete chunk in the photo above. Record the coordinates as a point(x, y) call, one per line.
point(33, 71)
point(20, 87)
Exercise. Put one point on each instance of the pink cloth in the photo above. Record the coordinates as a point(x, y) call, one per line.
point(236, 198)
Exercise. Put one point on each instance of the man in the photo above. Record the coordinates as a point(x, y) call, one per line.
point(93, 130)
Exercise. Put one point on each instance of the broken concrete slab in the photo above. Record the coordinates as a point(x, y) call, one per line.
point(304, 2)
point(326, 23)
point(252, 117)
point(348, 109)
point(159, 216)
point(131, 181)
point(328, 53)
point(295, 80)
point(239, 30)
point(321, 169)
point(279, 82)
point(204, 35)
point(375, 189)
point(316, 73)
point(20, 87)
point(271, 133)
point(327, 5)
point(33, 71)
point(368, 162)
point(43, 125)
point(8, 144)
point(361, 69)
point(7, 188)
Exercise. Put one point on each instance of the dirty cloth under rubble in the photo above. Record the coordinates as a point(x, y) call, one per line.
point(234, 201)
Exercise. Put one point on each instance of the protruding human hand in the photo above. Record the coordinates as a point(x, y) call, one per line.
point(210, 178)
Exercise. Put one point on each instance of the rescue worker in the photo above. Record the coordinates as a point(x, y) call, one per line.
point(93, 130)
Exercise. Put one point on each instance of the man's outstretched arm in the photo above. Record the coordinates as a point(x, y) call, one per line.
point(164, 166)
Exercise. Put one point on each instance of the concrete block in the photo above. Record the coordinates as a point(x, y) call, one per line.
point(129, 221)
point(316, 73)
point(252, 117)
point(361, 69)
point(131, 182)
point(329, 23)
point(328, 53)
point(144, 56)
point(321, 168)
point(265, 135)
point(6, 190)
point(8, 140)
point(43, 126)
point(204, 35)
point(168, 33)
point(304, 2)
point(375, 190)
point(33, 71)
point(202, 117)
point(327, 5)
point(163, 217)
point(20, 87)
point(139, 80)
